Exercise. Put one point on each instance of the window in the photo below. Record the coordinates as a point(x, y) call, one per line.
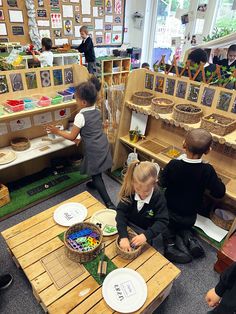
point(226, 15)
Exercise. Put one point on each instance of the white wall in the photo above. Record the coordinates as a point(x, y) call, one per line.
point(134, 36)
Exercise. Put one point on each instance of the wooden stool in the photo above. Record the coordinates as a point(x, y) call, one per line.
point(226, 255)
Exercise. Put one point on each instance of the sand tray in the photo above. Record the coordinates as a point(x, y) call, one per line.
point(60, 268)
point(6, 156)
point(152, 146)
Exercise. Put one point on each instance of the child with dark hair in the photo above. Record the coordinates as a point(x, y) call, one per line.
point(231, 58)
point(197, 56)
point(145, 65)
point(222, 297)
point(186, 179)
point(87, 48)
point(97, 157)
point(46, 57)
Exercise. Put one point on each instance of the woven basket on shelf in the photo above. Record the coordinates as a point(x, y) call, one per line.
point(225, 224)
point(20, 143)
point(162, 105)
point(218, 124)
point(78, 256)
point(142, 98)
point(187, 113)
point(128, 255)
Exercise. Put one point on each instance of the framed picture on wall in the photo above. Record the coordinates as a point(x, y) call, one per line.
point(31, 80)
point(57, 76)
point(170, 86)
point(181, 89)
point(208, 96)
point(193, 92)
point(224, 101)
point(16, 82)
point(3, 84)
point(159, 86)
point(68, 73)
point(234, 106)
point(45, 78)
point(149, 78)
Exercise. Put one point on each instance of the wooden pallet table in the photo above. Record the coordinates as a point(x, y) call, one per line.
point(36, 237)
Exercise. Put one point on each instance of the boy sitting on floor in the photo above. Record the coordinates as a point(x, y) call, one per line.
point(186, 180)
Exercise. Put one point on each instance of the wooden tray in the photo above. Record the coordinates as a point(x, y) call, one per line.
point(152, 146)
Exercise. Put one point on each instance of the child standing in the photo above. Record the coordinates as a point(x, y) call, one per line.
point(46, 57)
point(223, 295)
point(87, 123)
point(87, 48)
point(231, 58)
point(141, 205)
point(185, 181)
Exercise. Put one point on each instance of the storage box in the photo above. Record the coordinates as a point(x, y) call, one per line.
point(14, 105)
point(218, 124)
point(67, 96)
point(4, 195)
point(44, 101)
point(30, 103)
point(58, 99)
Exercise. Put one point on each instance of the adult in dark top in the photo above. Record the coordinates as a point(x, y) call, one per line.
point(222, 297)
point(87, 48)
point(142, 205)
point(186, 179)
point(231, 58)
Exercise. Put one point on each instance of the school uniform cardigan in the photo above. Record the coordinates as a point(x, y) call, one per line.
point(153, 217)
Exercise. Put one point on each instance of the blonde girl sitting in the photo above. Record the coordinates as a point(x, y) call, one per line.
point(142, 205)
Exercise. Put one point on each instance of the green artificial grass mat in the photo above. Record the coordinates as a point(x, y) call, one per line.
point(215, 243)
point(92, 266)
point(20, 199)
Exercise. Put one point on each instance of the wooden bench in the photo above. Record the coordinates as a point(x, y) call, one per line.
point(36, 237)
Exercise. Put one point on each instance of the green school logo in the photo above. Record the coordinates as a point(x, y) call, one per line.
point(150, 213)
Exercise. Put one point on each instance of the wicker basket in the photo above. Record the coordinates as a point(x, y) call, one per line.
point(75, 255)
point(20, 143)
point(128, 255)
point(225, 224)
point(162, 105)
point(4, 195)
point(142, 98)
point(187, 113)
point(218, 124)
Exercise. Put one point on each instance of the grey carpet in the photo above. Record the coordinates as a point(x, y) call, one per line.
point(186, 297)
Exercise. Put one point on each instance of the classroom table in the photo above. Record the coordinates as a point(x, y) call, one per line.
point(31, 240)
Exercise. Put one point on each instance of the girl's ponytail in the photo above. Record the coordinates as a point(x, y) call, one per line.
point(127, 186)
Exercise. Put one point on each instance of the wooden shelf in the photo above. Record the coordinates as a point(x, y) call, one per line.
point(163, 159)
point(35, 150)
point(229, 139)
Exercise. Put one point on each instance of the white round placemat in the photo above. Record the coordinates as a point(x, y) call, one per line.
point(124, 290)
point(106, 220)
point(69, 214)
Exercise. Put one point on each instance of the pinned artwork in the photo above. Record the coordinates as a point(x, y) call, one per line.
point(108, 27)
point(57, 33)
point(3, 128)
point(62, 114)
point(208, 96)
point(159, 84)
point(149, 79)
point(99, 40)
point(224, 101)
point(43, 118)
point(16, 16)
point(2, 15)
point(67, 11)
point(3, 84)
point(98, 2)
point(44, 33)
point(108, 6)
point(181, 89)
point(42, 13)
point(107, 38)
point(193, 92)
point(12, 3)
point(68, 30)
point(56, 20)
point(170, 86)
point(98, 23)
point(57, 76)
point(20, 124)
point(100, 11)
point(118, 7)
point(116, 38)
point(41, 3)
point(31, 80)
point(54, 3)
point(43, 23)
point(3, 29)
point(16, 82)
point(77, 18)
point(117, 20)
point(86, 7)
point(18, 30)
point(68, 74)
point(45, 78)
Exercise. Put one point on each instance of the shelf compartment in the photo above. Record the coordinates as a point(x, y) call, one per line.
point(107, 66)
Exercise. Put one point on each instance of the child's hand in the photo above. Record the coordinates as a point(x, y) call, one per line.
point(138, 240)
point(125, 245)
point(52, 129)
point(77, 141)
point(212, 298)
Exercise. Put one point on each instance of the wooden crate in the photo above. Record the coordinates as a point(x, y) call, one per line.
point(4, 195)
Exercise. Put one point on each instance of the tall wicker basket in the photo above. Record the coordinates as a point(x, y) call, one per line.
point(142, 98)
point(20, 144)
point(218, 124)
point(128, 255)
point(187, 113)
point(162, 105)
point(75, 255)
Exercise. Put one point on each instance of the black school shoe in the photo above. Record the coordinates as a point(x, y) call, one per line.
point(175, 255)
point(192, 243)
point(5, 281)
point(90, 185)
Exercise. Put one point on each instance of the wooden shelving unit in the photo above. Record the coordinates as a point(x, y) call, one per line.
point(113, 71)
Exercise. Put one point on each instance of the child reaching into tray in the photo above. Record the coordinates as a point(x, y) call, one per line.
point(88, 123)
point(222, 297)
point(46, 57)
point(142, 205)
point(186, 179)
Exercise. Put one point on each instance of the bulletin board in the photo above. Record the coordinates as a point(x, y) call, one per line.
point(61, 21)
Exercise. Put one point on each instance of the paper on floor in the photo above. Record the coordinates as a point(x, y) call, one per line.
point(210, 228)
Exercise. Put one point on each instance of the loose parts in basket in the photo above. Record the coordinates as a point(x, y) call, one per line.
point(187, 113)
point(218, 124)
point(142, 98)
point(162, 105)
point(128, 255)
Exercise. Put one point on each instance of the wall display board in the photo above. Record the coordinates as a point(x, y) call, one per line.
point(61, 20)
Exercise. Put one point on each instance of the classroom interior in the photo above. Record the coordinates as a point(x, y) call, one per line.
point(60, 242)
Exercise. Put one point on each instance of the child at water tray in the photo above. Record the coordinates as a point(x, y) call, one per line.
point(186, 179)
point(142, 205)
point(87, 123)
